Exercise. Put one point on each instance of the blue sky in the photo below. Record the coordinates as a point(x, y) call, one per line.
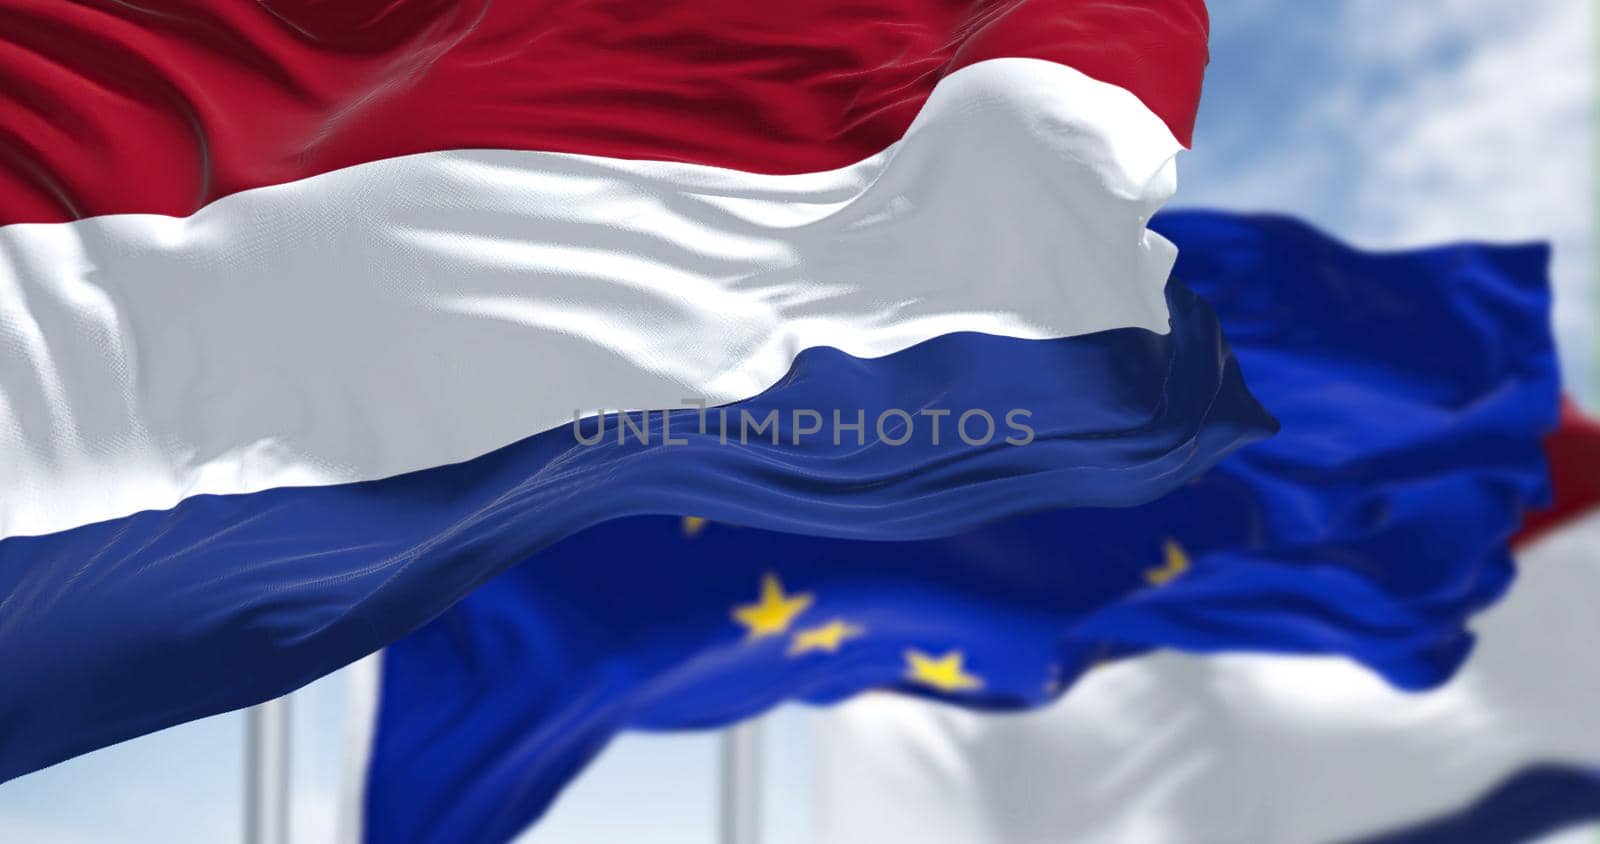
point(1387, 123)
point(1397, 124)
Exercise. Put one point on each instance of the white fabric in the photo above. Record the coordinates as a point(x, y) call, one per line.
point(1173, 749)
point(424, 310)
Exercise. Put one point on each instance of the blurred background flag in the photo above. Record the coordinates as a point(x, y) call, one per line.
point(1297, 750)
point(300, 302)
point(1414, 390)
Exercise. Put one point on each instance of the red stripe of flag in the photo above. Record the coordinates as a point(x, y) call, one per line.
point(1574, 451)
point(166, 105)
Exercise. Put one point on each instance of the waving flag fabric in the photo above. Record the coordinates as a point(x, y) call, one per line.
point(1255, 748)
point(299, 302)
point(1414, 390)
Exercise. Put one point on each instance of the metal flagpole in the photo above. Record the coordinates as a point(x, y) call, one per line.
point(266, 773)
point(741, 784)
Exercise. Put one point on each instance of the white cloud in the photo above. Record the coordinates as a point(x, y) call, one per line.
point(1421, 123)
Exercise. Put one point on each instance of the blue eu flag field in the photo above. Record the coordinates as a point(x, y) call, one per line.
point(1412, 389)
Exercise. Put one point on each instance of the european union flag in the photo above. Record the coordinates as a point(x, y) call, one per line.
point(1413, 390)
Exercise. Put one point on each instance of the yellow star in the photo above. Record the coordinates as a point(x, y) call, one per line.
point(944, 673)
point(827, 637)
point(1177, 562)
point(692, 525)
point(772, 615)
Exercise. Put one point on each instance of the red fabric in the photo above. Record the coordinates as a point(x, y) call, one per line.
point(1574, 451)
point(165, 105)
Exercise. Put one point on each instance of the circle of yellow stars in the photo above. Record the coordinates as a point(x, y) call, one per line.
point(775, 612)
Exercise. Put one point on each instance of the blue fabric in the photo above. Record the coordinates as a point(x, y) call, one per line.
point(1535, 802)
point(1413, 390)
point(116, 629)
